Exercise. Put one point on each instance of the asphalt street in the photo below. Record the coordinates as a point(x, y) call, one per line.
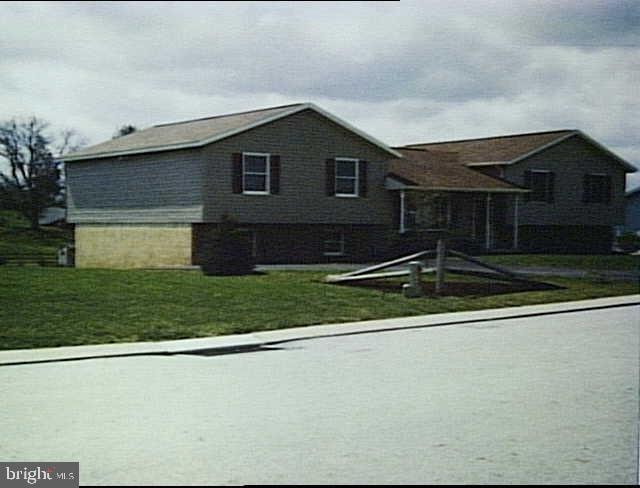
point(551, 399)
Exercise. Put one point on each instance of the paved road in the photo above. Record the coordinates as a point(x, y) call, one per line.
point(552, 399)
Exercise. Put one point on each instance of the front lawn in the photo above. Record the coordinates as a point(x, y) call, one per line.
point(17, 238)
point(42, 307)
point(617, 262)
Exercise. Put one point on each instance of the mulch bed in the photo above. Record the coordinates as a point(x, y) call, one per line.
point(458, 288)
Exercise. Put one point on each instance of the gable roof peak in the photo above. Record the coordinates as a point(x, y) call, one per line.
point(488, 138)
point(231, 114)
point(200, 132)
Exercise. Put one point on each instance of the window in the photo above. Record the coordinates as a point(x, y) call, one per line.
point(346, 177)
point(410, 215)
point(333, 243)
point(255, 173)
point(541, 184)
point(597, 188)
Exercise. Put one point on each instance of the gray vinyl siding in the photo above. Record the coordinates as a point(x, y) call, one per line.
point(303, 141)
point(570, 160)
point(158, 187)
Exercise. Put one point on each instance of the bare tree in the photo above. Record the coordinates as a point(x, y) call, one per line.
point(35, 180)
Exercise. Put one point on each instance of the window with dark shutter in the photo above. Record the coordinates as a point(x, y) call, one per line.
point(275, 175)
point(330, 172)
point(346, 183)
point(236, 172)
point(551, 187)
point(255, 173)
point(362, 178)
point(597, 188)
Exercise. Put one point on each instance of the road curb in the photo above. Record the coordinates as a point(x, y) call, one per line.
point(257, 340)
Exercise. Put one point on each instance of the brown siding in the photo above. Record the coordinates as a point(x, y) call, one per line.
point(304, 142)
point(570, 161)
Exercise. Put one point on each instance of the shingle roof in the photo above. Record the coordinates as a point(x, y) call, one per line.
point(500, 149)
point(181, 133)
point(440, 170)
point(195, 133)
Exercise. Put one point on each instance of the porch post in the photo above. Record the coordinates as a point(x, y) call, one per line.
point(473, 219)
point(402, 226)
point(515, 222)
point(487, 233)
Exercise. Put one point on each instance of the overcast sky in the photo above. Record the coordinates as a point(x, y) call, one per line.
point(405, 72)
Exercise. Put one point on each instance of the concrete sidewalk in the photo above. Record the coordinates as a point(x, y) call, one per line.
point(256, 340)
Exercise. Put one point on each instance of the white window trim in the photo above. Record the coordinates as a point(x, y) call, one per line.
point(356, 178)
point(331, 253)
point(267, 174)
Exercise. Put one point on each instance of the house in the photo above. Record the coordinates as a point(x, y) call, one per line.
point(307, 184)
point(310, 187)
point(632, 215)
point(576, 185)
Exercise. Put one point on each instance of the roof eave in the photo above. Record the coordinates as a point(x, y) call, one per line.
point(410, 185)
point(114, 154)
point(487, 163)
point(472, 190)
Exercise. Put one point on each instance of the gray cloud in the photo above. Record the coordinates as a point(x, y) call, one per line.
point(406, 72)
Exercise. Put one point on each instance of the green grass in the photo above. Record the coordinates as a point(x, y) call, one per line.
point(16, 236)
point(617, 262)
point(42, 307)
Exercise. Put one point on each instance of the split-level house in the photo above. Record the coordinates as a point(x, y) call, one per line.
point(310, 187)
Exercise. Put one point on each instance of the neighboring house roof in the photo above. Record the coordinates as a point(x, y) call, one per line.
point(512, 148)
point(199, 132)
point(441, 171)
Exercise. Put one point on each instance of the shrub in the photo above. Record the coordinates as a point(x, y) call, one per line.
point(629, 242)
point(228, 252)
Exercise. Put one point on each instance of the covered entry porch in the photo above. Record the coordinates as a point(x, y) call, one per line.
point(479, 220)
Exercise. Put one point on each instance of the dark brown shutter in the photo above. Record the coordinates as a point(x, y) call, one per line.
point(607, 189)
point(527, 184)
point(362, 178)
point(274, 176)
point(331, 177)
point(585, 189)
point(236, 172)
point(551, 187)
